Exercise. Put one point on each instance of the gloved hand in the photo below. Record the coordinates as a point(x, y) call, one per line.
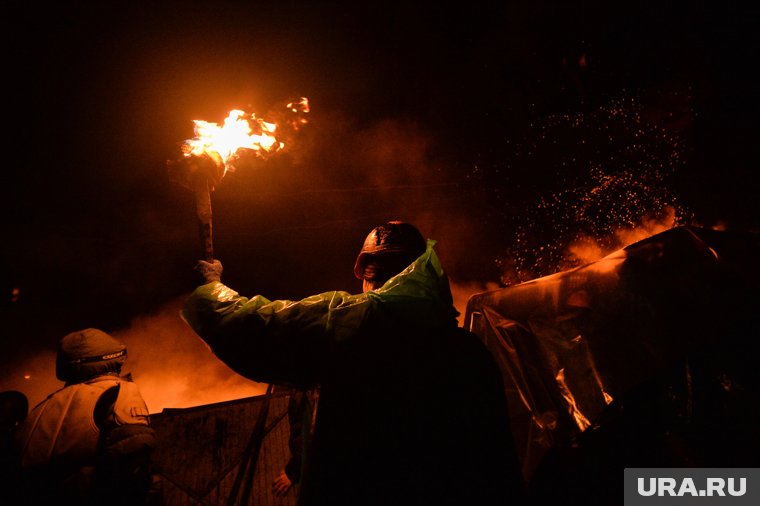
point(211, 271)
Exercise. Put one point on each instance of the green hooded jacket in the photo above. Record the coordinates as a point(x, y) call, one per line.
point(282, 341)
point(411, 407)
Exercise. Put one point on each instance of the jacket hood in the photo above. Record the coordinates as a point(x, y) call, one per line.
point(424, 279)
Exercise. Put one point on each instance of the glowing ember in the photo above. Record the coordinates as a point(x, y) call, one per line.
point(605, 187)
point(27, 376)
point(301, 106)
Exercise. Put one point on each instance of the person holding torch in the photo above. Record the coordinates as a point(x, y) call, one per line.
point(411, 407)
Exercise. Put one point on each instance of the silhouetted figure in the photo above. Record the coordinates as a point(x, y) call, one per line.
point(411, 408)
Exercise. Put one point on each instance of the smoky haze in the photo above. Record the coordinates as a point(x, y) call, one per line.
point(285, 227)
point(288, 227)
point(426, 113)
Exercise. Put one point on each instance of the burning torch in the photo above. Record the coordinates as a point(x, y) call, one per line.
point(213, 151)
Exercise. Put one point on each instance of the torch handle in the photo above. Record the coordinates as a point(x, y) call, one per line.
point(203, 209)
point(208, 245)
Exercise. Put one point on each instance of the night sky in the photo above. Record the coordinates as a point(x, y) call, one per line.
point(457, 118)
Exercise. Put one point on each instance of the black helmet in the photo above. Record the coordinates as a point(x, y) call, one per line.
point(395, 242)
point(87, 353)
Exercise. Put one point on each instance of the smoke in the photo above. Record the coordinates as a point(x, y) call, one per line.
point(310, 208)
point(588, 249)
point(171, 365)
point(292, 226)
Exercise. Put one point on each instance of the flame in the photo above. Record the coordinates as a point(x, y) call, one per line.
point(241, 131)
point(236, 133)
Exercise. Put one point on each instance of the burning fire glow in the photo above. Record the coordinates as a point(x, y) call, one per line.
point(240, 131)
point(236, 133)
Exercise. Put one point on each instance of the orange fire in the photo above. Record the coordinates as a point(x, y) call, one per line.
point(239, 133)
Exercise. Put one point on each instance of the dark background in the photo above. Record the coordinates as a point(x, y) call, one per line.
point(419, 111)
